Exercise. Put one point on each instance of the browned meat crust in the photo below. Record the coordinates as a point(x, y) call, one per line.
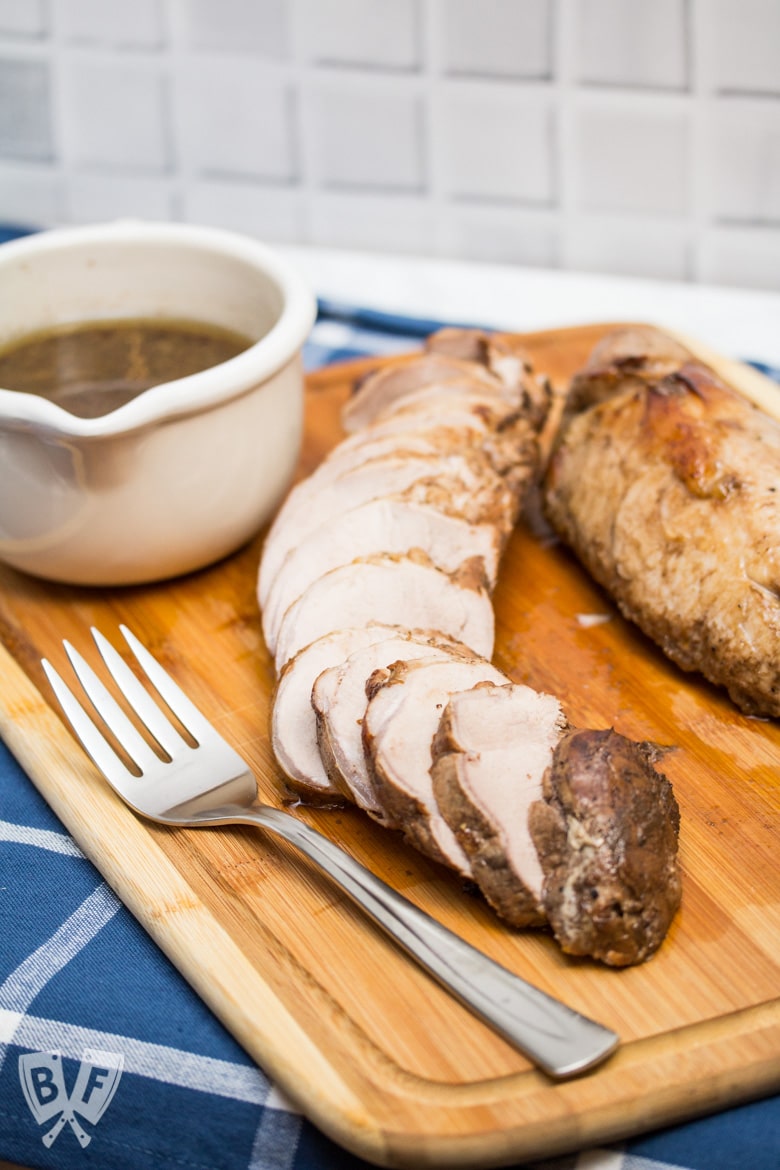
point(606, 835)
point(492, 749)
point(666, 483)
point(402, 716)
point(482, 844)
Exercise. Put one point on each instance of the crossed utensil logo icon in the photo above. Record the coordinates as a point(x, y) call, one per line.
point(43, 1085)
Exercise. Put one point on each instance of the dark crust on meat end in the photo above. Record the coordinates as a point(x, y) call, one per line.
point(606, 834)
point(482, 845)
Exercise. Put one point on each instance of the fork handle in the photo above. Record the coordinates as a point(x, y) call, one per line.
point(553, 1036)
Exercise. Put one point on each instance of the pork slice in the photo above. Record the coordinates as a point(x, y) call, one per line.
point(466, 473)
point(469, 345)
point(349, 455)
point(507, 360)
point(510, 439)
point(435, 440)
point(391, 524)
point(435, 425)
point(293, 725)
point(606, 834)
point(496, 405)
point(311, 504)
point(489, 500)
point(406, 591)
point(388, 384)
point(512, 429)
point(483, 410)
point(339, 700)
point(457, 422)
point(492, 749)
point(402, 717)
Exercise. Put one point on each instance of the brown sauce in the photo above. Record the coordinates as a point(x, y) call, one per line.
point(95, 367)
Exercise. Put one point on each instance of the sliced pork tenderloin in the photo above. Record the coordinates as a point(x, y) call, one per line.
point(309, 505)
point(390, 524)
point(421, 432)
point(503, 357)
point(506, 445)
point(507, 436)
point(462, 421)
point(375, 442)
point(606, 835)
point(339, 700)
point(487, 501)
point(357, 709)
point(293, 724)
point(436, 401)
point(470, 345)
point(389, 384)
point(433, 425)
point(349, 455)
point(490, 753)
point(510, 439)
point(392, 590)
point(405, 705)
point(312, 503)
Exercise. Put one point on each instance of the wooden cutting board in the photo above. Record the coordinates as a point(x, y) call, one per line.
point(370, 1048)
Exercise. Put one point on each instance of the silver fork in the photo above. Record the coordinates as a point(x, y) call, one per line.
point(210, 784)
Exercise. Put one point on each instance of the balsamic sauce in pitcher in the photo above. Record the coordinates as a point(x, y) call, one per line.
point(92, 368)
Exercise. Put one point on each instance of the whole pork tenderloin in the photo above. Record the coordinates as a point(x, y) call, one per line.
point(666, 483)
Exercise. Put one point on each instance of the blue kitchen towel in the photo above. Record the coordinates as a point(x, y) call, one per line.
point(342, 332)
point(92, 1012)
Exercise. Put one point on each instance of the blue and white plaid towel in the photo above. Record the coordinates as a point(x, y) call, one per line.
point(160, 1083)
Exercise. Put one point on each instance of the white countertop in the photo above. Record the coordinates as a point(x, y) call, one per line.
point(739, 322)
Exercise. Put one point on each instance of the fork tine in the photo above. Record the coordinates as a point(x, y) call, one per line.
point(112, 714)
point(183, 708)
point(139, 698)
point(95, 744)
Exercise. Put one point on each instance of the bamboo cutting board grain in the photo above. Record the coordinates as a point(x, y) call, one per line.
point(372, 1050)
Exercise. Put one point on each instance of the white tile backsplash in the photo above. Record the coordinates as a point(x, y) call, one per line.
point(500, 235)
point(744, 46)
point(494, 144)
point(743, 257)
point(744, 155)
point(115, 116)
point(95, 198)
point(136, 25)
point(632, 158)
point(274, 213)
point(366, 136)
point(257, 27)
point(495, 38)
point(399, 223)
point(380, 34)
point(605, 135)
point(25, 109)
point(30, 195)
point(23, 18)
point(235, 120)
point(628, 248)
point(633, 43)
